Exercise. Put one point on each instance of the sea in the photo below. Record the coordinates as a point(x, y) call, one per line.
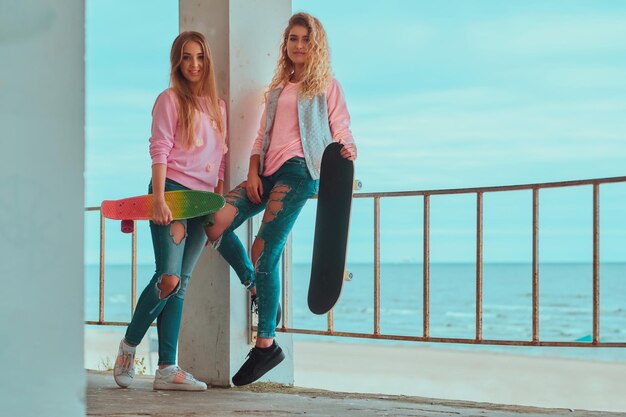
point(565, 304)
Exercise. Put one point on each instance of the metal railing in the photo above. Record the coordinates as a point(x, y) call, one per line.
point(101, 280)
point(479, 192)
point(478, 339)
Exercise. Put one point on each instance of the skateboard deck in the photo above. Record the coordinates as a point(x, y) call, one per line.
point(334, 202)
point(184, 204)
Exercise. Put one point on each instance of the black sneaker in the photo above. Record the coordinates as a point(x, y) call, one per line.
point(260, 361)
point(254, 308)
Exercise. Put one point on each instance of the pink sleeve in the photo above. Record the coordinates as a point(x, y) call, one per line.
point(221, 173)
point(338, 116)
point(222, 170)
point(224, 116)
point(164, 122)
point(258, 142)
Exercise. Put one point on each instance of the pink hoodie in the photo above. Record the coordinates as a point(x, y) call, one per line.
point(198, 168)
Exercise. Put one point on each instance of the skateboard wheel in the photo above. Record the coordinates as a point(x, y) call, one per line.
point(357, 185)
point(128, 226)
point(347, 276)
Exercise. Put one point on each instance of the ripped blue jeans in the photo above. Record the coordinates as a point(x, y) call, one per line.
point(177, 258)
point(284, 195)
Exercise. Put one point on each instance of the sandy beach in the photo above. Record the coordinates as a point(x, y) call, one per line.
point(426, 372)
point(458, 375)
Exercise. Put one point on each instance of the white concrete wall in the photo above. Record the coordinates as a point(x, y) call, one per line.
point(244, 36)
point(42, 207)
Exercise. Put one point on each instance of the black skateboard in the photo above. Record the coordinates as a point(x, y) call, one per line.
point(334, 201)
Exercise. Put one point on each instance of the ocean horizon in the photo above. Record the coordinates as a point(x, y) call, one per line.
point(565, 303)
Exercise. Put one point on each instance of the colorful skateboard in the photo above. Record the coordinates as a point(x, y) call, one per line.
point(334, 202)
point(184, 204)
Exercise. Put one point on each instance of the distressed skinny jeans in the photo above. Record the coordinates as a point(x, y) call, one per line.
point(177, 258)
point(284, 195)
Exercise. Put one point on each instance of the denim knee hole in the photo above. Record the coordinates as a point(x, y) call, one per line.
point(172, 292)
point(236, 194)
point(216, 243)
point(275, 203)
point(257, 246)
point(178, 234)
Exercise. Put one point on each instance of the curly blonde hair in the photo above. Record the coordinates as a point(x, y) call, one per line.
point(187, 100)
point(317, 73)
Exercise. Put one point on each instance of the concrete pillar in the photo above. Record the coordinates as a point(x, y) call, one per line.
point(42, 204)
point(244, 36)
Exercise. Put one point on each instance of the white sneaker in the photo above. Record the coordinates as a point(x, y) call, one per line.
point(174, 378)
point(124, 370)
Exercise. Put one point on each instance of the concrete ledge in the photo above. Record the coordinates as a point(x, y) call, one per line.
point(104, 398)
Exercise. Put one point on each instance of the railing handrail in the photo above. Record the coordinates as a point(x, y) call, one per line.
point(499, 188)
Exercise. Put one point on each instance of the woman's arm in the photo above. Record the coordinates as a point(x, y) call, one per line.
point(164, 120)
point(219, 189)
point(257, 147)
point(161, 213)
point(339, 120)
point(254, 186)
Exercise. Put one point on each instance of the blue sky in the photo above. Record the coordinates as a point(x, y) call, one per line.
point(442, 94)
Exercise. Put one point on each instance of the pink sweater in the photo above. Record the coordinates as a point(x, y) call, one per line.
point(198, 168)
point(285, 140)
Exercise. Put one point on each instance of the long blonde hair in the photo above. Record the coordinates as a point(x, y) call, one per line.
point(188, 102)
point(317, 72)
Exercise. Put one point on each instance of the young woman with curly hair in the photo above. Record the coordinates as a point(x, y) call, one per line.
point(305, 110)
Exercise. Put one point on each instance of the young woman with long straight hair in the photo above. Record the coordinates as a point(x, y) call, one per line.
point(305, 110)
point(187, 148)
